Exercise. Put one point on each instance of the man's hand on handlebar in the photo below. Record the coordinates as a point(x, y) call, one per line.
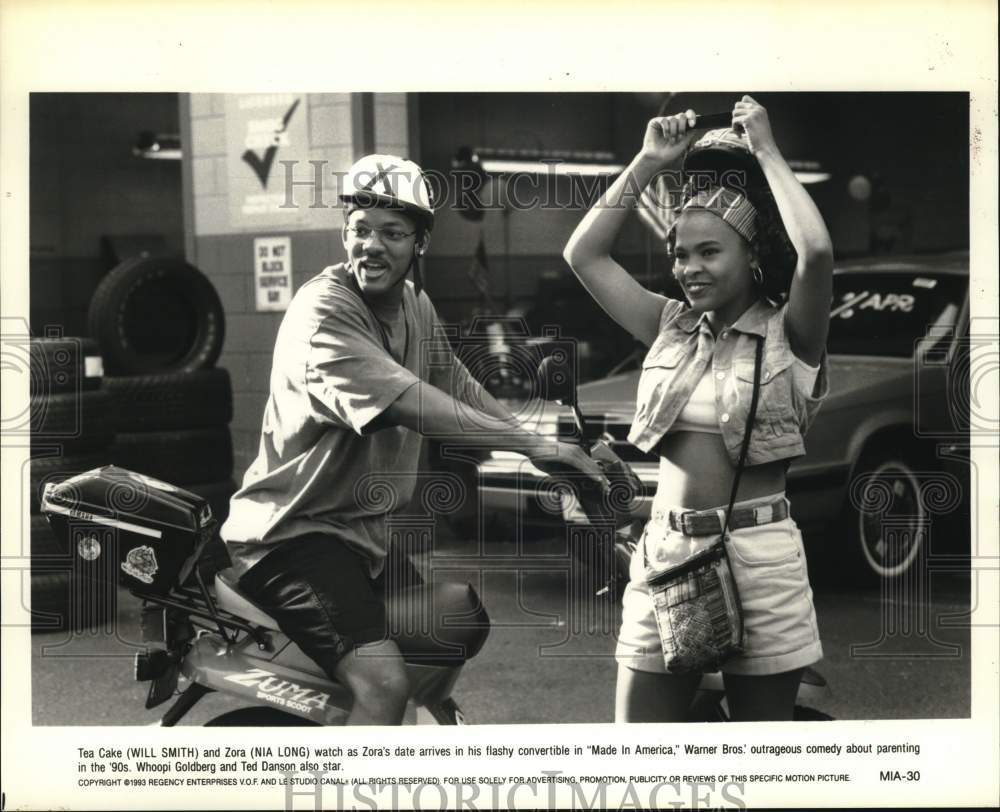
point(559, 458)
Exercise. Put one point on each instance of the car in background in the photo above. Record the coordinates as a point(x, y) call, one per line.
point(885, 483)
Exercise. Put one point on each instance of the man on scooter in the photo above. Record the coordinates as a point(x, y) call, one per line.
point(351, 393)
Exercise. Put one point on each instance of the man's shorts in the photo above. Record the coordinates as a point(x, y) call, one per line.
point(769, 566)
point(322, 596)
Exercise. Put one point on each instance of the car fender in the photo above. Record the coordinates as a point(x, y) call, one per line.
point(895, 421)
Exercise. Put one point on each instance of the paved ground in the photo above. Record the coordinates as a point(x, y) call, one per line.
point(548, 658)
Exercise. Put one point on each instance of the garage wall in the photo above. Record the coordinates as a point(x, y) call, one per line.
point(338, 127)
point(85, 184)
point(922, 172)
point(922, 204)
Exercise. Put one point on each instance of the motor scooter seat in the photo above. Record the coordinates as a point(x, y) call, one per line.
point(230, 599)
point(441, 623)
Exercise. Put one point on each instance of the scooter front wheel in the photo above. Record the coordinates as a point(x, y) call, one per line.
point(709, 708)
point(259, 717)
point(804, 714)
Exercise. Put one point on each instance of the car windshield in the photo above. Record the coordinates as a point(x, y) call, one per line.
point(889, 313)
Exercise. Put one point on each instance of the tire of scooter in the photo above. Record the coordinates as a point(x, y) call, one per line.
point(708, 708)
point(259, 717)
point(804, 714)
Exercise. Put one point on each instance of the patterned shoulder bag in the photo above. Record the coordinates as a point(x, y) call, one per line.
point(697, 605)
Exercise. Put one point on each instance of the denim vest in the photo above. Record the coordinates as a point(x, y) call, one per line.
point(685, 346)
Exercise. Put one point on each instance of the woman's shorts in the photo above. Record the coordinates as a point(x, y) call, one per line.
point(769, 566)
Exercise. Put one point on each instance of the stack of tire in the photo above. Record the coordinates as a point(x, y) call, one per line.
point(160, 326)
point(72, 430)
point(162, 409)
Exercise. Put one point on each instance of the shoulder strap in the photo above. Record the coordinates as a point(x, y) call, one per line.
point(749, 427)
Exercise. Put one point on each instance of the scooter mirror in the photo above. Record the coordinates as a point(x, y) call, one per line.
point(557, 379)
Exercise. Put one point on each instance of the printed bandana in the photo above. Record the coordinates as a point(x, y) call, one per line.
point(728, 205)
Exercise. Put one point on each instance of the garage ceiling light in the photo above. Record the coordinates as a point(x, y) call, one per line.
point(543, 162)
point(808, 172)
point(157, 146)
point(499, 166)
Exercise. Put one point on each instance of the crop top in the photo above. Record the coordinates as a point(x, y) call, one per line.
point(699, 413)
point(686, 345)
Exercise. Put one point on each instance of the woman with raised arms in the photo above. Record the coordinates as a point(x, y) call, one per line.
point(693, 405)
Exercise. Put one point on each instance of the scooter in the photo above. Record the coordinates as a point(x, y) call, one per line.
point(200, 628)
point(605, 520)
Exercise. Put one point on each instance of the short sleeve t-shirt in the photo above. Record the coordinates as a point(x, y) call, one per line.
point(322, 466)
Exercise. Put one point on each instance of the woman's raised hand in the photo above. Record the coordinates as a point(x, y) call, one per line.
point(668, 136)
point(753, 118)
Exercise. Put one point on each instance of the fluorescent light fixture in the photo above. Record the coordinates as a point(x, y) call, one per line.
point(562, 163)
point(806, 178)
point(158, 146)
point(502, 166)
point(159, 154)
point(807, 172)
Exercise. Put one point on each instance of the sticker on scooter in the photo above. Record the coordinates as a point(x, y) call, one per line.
point(278, 691)
point(89, 548)
point(141, 563)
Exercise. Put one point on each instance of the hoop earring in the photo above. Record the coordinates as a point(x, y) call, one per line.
point(758, 274)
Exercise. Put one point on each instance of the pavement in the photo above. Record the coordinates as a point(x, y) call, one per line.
point(889, 654)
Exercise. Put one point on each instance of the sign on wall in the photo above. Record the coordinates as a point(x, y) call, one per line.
point(272, 272)
point(262, 130)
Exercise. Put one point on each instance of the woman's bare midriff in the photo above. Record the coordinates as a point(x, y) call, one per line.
point(697, 474)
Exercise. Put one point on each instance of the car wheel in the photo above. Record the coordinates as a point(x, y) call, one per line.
point(886, 519)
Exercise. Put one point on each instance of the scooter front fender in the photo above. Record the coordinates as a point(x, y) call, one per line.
point(229, 669)
point(288, 679)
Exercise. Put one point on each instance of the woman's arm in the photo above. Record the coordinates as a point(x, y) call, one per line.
point(808, 315)
point(588, 251)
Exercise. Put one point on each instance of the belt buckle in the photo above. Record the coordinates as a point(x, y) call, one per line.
point(763, 514)
point(686, 528)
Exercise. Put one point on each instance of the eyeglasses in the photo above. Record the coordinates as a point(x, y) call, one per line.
point(386, 235)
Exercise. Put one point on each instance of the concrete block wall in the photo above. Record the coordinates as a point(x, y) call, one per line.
point(85, 184)
point(336, 134)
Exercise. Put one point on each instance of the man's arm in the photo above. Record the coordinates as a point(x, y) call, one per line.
point(427, 410)
point(454, 378)
point(356, 384)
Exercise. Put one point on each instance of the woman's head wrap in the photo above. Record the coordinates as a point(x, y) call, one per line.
point(728, 205)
